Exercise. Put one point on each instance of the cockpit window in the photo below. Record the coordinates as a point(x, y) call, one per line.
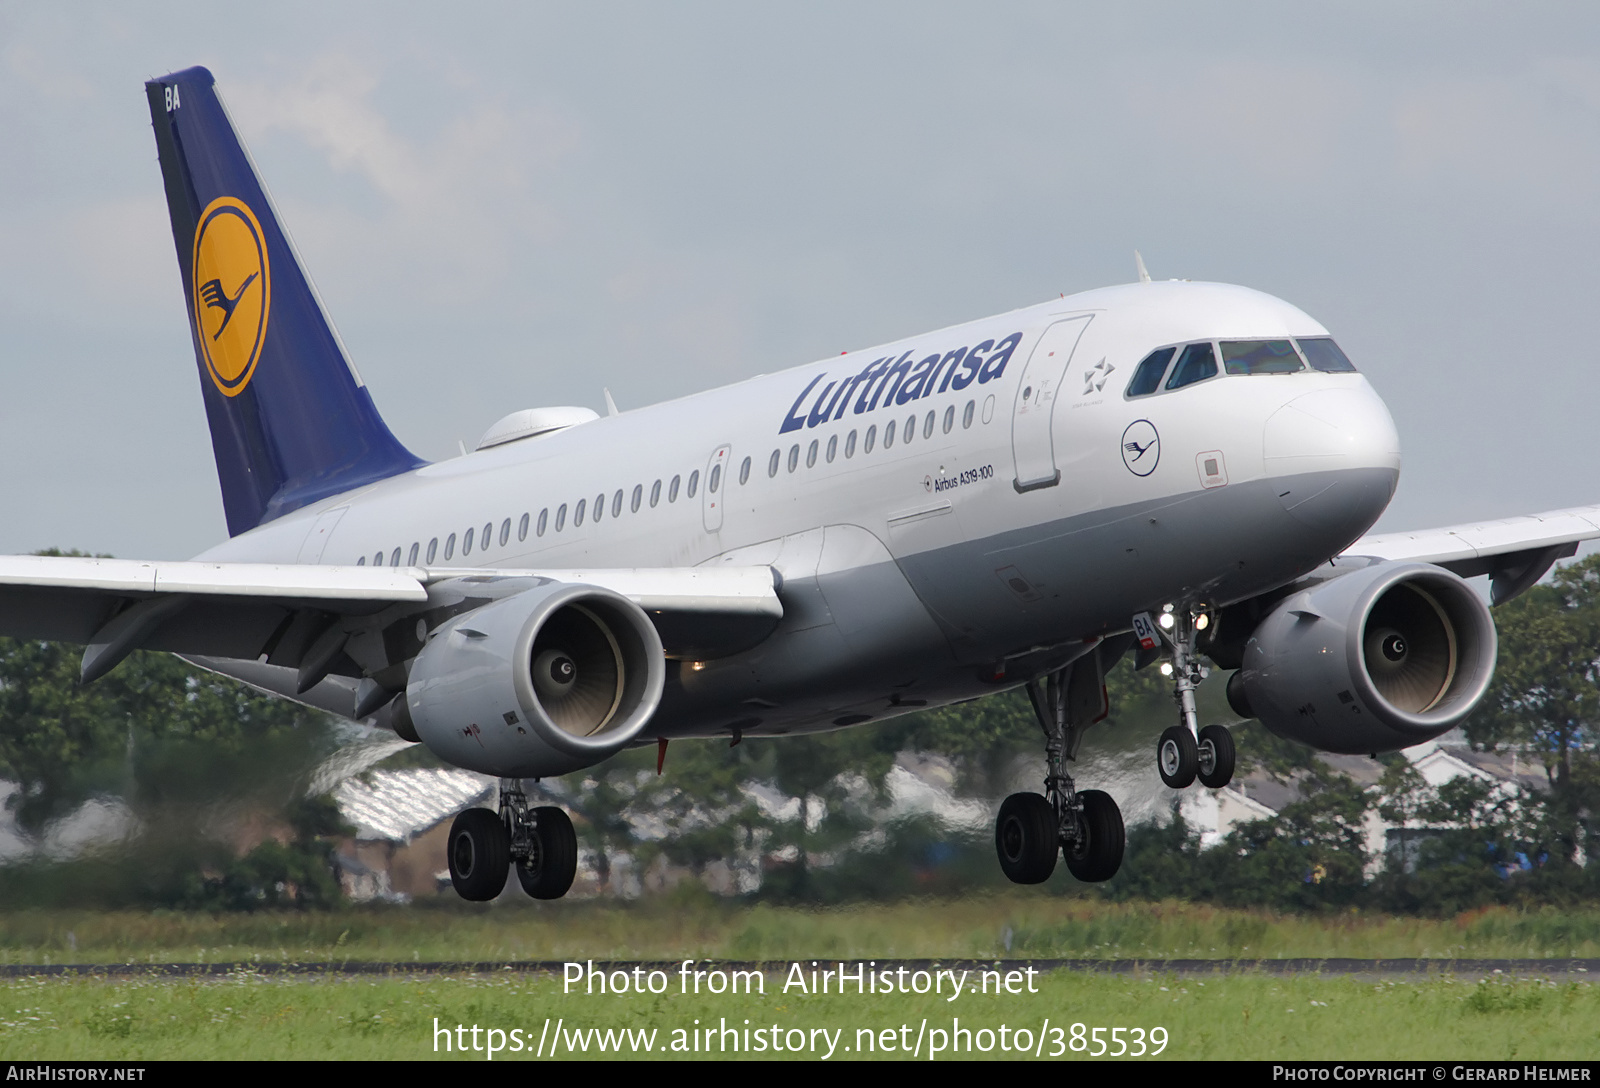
point(1324, 355)
point(1260, 357)
point(1147, 379)
point(1196, 364)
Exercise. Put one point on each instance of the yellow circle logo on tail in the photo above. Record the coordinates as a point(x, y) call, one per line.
point(232, 292)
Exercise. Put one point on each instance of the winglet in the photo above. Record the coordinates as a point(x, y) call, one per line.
point(1138, 261)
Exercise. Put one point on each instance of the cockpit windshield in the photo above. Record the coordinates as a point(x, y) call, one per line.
point(1198, 361)
point(1324, 355)
point(1260, 357)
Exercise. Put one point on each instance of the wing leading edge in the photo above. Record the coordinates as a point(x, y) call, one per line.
point(1514, 552)
point(303, 616)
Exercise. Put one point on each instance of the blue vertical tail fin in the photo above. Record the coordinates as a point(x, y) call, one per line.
point(291, 421)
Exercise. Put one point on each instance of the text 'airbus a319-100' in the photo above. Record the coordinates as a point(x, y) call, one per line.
point(1178, 470)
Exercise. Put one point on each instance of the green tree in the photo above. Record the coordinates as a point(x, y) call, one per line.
point(1545, 699)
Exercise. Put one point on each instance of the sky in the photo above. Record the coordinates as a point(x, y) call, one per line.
point(509, 206)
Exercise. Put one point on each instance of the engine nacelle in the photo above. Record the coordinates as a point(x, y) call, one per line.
point(544, 682)
point(1371, 661)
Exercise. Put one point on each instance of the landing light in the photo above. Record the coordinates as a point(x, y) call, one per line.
point(1202, 621)
point(1166, 668)
point(1165, 621)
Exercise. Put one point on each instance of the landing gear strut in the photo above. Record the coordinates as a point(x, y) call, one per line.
point(540, 840)
point(1186, 751)
point(1085, 826)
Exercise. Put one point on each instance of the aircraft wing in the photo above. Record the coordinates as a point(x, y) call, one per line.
point(245, 610)
point(1514, 552)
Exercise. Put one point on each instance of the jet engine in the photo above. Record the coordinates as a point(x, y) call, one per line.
point(1370, 661)
point(543, 682)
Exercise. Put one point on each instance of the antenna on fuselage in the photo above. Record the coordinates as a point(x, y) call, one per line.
point(1138, 261)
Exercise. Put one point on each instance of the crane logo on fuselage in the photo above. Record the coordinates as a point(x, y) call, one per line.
point(1141, 447)
point(889, 382)
point(232, 292)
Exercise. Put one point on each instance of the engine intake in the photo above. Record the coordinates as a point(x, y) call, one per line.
point(544, 682)
point(1378, 659)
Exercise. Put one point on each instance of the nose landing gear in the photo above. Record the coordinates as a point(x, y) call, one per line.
point(1185, 751)
point(1085, 826)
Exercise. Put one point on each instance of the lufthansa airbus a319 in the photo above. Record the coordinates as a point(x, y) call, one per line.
point(1175, 470)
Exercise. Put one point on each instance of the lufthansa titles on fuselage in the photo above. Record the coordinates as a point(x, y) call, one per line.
point(890, 382)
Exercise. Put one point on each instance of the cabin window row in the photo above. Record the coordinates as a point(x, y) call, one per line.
point(483, 539)
point(906, 433)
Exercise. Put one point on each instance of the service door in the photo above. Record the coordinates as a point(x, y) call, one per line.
point(716, 488)
point(1037, 392)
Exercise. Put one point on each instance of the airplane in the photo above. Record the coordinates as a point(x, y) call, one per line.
point(1182, 471)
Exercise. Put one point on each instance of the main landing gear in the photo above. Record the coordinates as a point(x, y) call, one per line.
point(483, 844)
point(1186, 752)
point(1085, 826)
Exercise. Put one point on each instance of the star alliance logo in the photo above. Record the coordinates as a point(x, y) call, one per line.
point(1094, 379)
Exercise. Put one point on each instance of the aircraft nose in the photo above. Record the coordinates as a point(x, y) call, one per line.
point(1336, 455)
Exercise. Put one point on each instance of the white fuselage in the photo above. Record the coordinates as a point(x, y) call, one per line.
point(1016, 509)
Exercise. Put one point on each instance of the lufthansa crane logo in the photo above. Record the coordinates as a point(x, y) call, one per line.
point(232, 292)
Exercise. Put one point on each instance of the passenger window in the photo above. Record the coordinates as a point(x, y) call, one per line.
point(811, 454)
point(794, 457)
point(927, 425)
point(599, 506)
point(433, 549)
point(655, 494)
point(672, 490)
point(1147, 378)
point(966, 414)
point(411, 560)
point(505, 532)
point(1197, 363)
point(394, 558)
point(544, 520)
point(888, 435)
point(850, 445)
point(637, 500)
point(911, 429)
point(744, 472)
point(1260, 357)
point(715, 479)
point(450, 546)
point(466, 543)
point(772, 463)
point(1324, 355)
point(833, 448)
point(577, 512)
point(872, 436)
point(561, 517)
point(694, 482)
point(949, 419)
point(488, 530)
point(616, 503)
point(522, 529)
point(377, 560)
point(361, 561)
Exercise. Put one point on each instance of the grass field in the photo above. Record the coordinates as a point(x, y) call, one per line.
point(1016, 924)
point(1239, 1017)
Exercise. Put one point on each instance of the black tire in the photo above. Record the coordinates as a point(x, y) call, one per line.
point(480, 854)
point(548, 870)
point(1216, 756)
point(1177, 757)
point(1027, 838)
point(1100, 857)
